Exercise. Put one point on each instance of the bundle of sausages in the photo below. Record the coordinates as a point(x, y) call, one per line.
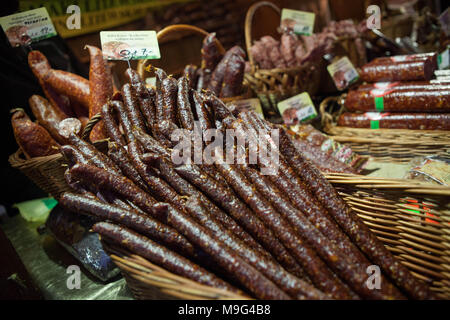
point(70, 101)
point(399, 95)
point(293, 50)
point(272, 236)
point(221, 74)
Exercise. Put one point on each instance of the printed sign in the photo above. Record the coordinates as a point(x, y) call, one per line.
point(444, 59)
point(300, 22)
point(343, 73)
point(129, 45)
point(248, 104)
point(296, 109)
point(27, 27)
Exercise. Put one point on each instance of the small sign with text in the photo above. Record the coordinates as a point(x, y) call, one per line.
point(129, 45)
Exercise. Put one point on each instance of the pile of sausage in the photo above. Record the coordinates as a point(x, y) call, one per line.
point(70, 101)
point(228, 225)
point(222, 74)
point(399, 90)
point(293, 50)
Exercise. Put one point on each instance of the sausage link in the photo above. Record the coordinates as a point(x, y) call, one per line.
point(353, 226)
point(47, 116)
point(39, 65)
point(317, 271)
point(118, 184)
point(169, 89)
point(100, 88)
point(110, 112)
point(295, 287)
point(236, 267)
point(228, 201)
point(132, 108)
point(210, 52)
point(69, 84)
point(184, 111)
point(33, 139)
point(159, 255)
point(145, 225)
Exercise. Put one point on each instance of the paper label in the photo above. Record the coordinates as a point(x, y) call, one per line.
point(385, 85)
point(444, 19)
point(376, 115)
point(248, 104)
point(444, 59)
point(343, 73)
point(29, 26)
point(150, 82)
point(301, 22)
point(296, 109)
point(129, 45)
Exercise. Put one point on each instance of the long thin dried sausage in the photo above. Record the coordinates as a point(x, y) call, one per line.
point(159, 255)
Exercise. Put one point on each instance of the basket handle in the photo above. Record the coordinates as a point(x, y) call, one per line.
point(142, 64)
point(248, 26)
point(90, 125)
point(327, 118)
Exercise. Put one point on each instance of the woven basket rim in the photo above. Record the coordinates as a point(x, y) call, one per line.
point(164, 280)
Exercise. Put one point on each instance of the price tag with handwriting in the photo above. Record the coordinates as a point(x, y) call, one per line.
point(29, 26)
point(129, 45)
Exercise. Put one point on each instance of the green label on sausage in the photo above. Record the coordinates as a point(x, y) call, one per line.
point(379, 104)
point(374, 124)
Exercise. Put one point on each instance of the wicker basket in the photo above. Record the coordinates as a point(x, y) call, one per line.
point(274, 85)
point(184, 29)
point(48, 172)
point(391, 145)
point(412, 219)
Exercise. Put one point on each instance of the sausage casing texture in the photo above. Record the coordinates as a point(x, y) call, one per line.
point(109, 115)
point(354, 227)
point(234, 75)
point(159, 255)
point(397, 71)
point(295, 287)
point(145, 225)
point(118, 184)
point(184, 111)
point(190, 73)
point(100, 88)
point(31, 137)
point(248, 276)
point(39, 65)
point(210, 52)
point(169, 89)
point(314, 267)
point(131, 107)
point(95, 157)
point(48, 116)
point(227, 200)
point(412, 121)
point(399, 100)
point(184, 188)
point(69, 84)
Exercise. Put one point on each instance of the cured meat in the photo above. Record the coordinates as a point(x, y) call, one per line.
point(413, 121)
point(397, 71)
point(399, 100)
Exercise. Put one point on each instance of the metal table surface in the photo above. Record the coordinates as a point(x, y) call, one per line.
point(47, 261)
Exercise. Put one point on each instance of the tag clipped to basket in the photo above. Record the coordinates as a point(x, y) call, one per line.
point(248, 104)
point(299, 22)
point(26, 27)
point(129, 45)
point(297, 109)
point(343, 73)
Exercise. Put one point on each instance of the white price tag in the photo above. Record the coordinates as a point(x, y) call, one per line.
point(343, 73)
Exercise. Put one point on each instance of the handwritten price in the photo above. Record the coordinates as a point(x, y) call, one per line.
point(133, 53)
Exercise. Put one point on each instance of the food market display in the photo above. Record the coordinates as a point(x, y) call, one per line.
point(245, 176)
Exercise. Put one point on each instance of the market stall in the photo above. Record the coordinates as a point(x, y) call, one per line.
point(234, 150)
